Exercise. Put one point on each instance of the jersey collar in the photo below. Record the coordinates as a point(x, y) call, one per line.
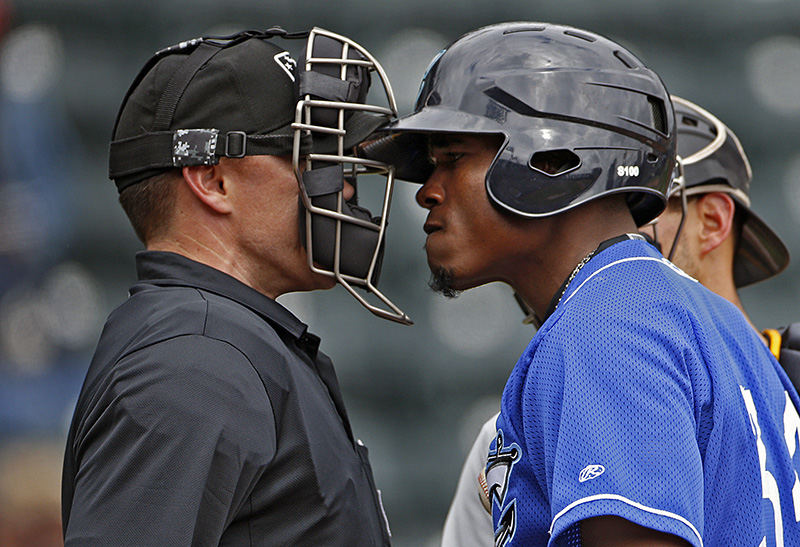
point(166, 269)
point(565, 285)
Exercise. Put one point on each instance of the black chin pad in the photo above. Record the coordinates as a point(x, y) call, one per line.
point(358, 244)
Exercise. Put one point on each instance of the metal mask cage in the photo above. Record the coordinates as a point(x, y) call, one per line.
point(352, 166)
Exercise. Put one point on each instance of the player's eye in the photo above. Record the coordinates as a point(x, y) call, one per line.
point(446, 158)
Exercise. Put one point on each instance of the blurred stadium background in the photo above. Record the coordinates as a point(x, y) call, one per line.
point(416, 394)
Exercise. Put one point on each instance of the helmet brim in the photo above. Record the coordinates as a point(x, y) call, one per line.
point(404, 144)
point(760, 254)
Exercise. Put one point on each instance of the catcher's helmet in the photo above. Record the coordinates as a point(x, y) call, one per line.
point(582, 118)
point(712, 160)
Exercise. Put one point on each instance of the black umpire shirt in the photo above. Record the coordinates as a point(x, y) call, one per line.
point(209, 417)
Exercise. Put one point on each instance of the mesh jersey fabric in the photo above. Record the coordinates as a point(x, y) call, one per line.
point(646, 396)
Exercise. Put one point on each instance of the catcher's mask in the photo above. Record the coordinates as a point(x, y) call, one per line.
point(343, 240)
point(239, 95)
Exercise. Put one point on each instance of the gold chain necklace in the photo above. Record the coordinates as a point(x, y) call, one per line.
point(580, 265)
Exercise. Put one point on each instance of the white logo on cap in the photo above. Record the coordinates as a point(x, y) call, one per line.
point(286, 62)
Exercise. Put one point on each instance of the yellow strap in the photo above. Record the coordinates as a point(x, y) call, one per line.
point(774, 338)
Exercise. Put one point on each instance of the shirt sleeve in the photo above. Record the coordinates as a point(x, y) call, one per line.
point(170, 447)
point(621, 432)
point(468, 524)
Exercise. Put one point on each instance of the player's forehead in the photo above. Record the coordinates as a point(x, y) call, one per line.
point(446, 140)
point(442, 141)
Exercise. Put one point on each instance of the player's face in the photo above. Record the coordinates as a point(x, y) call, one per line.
point(469, 241)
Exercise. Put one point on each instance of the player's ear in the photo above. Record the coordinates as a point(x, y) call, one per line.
point(207, 183)
point(716, 211)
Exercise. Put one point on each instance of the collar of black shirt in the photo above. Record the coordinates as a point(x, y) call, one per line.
point(171, 269)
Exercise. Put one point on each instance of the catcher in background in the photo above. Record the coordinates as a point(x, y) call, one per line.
point(722, 243)
point(709, 230)
point(645, 410)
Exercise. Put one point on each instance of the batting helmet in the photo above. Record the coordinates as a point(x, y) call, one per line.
point(582, 118)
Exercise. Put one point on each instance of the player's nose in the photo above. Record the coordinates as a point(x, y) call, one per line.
point(431, 193)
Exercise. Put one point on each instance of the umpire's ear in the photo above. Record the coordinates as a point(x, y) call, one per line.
point(208, 184)
point(715, 211)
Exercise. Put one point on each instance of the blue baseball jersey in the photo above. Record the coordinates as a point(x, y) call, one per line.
point(646, 396)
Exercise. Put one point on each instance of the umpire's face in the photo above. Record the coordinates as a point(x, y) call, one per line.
point(470, 242)
point(264, 224)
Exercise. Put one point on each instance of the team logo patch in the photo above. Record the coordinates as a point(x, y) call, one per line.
point(286, 62)
point(499, 464)
point(506, 526)
point(591, 472)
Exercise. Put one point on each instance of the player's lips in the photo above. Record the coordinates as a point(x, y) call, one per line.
point(431, 227)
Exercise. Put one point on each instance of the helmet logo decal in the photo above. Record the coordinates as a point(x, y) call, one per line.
point(627, 170)
point(286, 62)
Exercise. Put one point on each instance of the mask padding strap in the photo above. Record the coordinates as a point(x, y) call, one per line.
point(324, 180)
point(326, 87)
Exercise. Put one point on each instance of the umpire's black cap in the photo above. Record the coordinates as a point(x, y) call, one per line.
point(202, 99)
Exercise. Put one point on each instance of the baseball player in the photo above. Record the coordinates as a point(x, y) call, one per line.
point(645, 410)
point(716, 183)
point(208, 415)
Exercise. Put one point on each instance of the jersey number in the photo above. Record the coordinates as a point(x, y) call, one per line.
point(769, 486)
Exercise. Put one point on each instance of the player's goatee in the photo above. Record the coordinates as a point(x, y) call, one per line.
point(442, 282)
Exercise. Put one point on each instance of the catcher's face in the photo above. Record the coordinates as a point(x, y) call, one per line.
point(470, 242)
point(664, 228)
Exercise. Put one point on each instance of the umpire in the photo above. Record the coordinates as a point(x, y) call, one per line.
point(208, 415)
